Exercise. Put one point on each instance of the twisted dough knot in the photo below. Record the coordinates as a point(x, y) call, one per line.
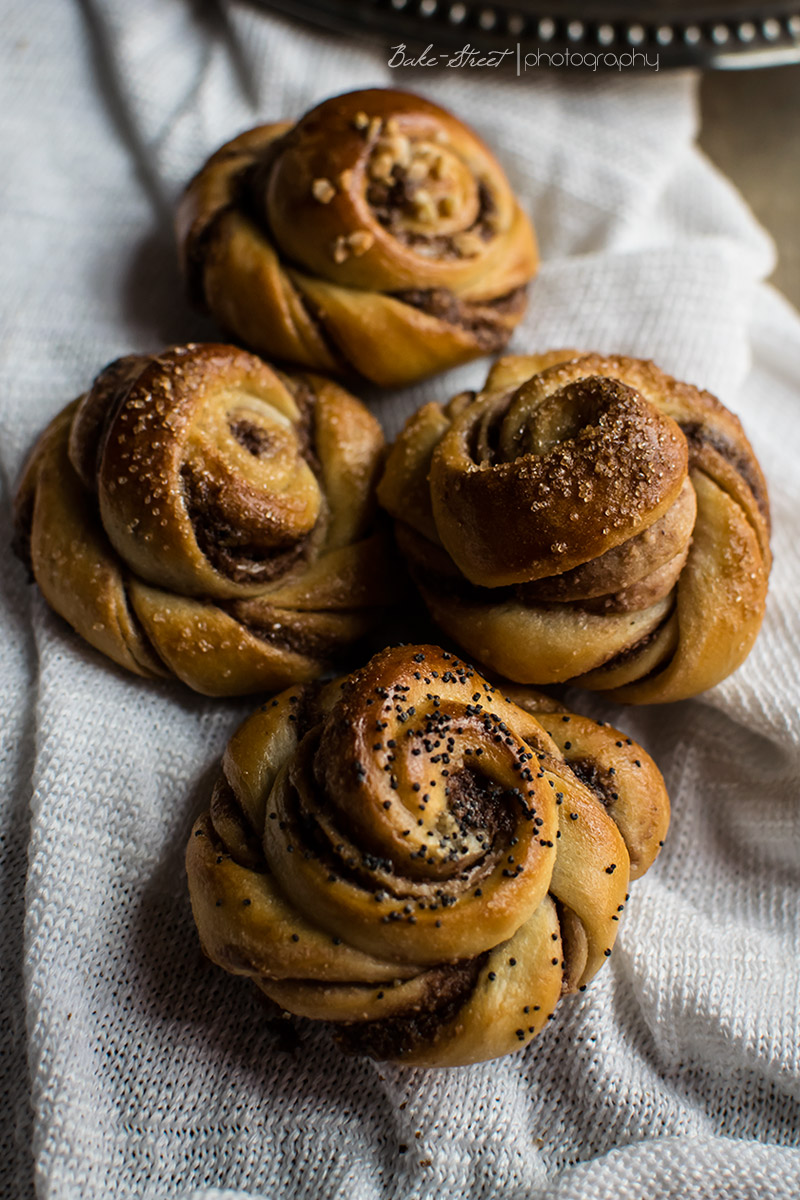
point(587, 519)
point(197, 513)
point(411, 855)
point(378, 233)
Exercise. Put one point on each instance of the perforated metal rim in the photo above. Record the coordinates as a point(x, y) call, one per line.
point(734, 35)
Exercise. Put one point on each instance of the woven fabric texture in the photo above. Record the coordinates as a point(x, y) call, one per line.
point(130, 1066)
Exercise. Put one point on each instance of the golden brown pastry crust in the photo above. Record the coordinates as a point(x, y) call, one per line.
point(409, 854)
point(586, 518)
point(378, 233)
point(198, 514)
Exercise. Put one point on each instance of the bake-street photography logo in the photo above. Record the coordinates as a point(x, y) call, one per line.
point(524, 61)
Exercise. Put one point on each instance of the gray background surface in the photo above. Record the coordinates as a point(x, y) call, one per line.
point(751, 129)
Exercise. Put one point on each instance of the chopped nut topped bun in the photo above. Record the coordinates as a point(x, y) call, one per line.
point(378, 234)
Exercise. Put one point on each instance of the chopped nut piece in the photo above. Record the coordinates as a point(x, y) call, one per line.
point(360, 241)
point(468, 244)
point(323, 190)
point(361, 120)
point(437, 170)
point(398, 147)
point(340, 250)
point(380, 167)
point(447, 206)
point(345, 179)
point(424, 207)
point(392, 127)
point(418, 170)
point(375, 126)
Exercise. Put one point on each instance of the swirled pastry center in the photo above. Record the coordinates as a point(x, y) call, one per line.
point(420, 186)
point(226, 466)
point(246, 468)
point(548, 477)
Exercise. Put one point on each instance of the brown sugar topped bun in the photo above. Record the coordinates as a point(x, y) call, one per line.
point(586, 518)
point(197, 513)
point(377, 234)
point(428, 865)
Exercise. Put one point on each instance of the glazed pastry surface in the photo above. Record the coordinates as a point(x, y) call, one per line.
point(420, 860)
point(378, 234)
point(586, 518)
point(197, 513)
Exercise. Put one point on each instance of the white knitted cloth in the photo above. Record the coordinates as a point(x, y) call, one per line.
point(131, 1066)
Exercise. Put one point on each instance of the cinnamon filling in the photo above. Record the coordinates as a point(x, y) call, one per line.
point(487, 321)
point(637, 648)
point(341, 858)
point(448, 990)
point(196, 253)
point(698, 435)
point(246, 190)
point(233, 829)
point(285, 629)
point(596, 779)
point(237, 553)
point(479, 806)
point(401, 196)
point(574, 946)
point(304, 397)
point(255, 439)
point(459, 589)
point(231, 551)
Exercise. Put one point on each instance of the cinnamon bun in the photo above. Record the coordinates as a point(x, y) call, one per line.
point(378, 234)
point(197, 513)
point(421, 861)
point(590, 519)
